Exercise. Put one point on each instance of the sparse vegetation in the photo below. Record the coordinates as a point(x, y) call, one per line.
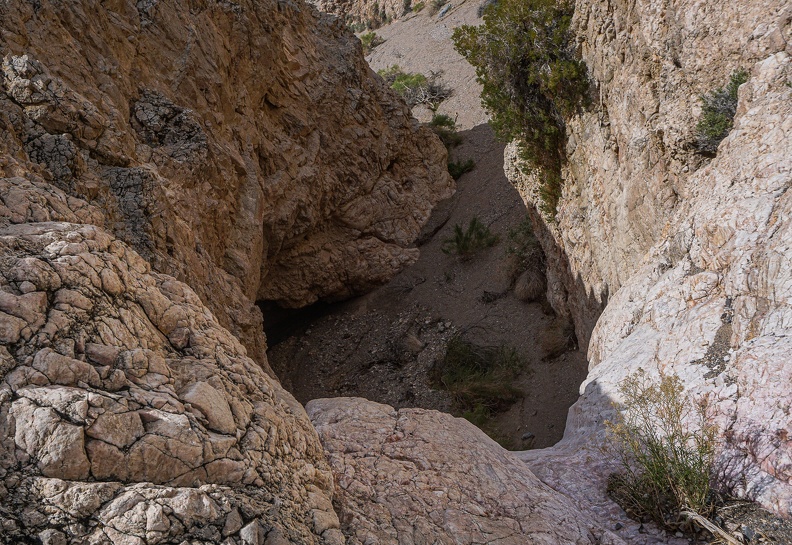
point(557, 338)
point(482, 9)
point(717, 113)
point(666, 465)
point(479, 378)
point(445, 127)
point(526, 262)
point(416, 88)
point(526, 61)
point(550, 193)
point(370, 40)
point(435, 5)
point(418, 7)
point(458, 168)
point(467, 242)
point(357, 27)
point(523, 249)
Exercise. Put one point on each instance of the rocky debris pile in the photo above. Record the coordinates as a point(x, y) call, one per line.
point(128, 415)
point(425, 477)
point(244, 148)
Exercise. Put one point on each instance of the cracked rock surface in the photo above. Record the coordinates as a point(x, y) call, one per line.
point(424, 477)
point(129, 415)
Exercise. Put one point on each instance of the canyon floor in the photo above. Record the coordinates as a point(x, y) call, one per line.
point(386, 346)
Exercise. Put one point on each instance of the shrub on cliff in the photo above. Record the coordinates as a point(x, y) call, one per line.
point(445, 127)
point(717, 113)
point(666, 465)
point(526, 61)
point(416, 88)
point(370, 40)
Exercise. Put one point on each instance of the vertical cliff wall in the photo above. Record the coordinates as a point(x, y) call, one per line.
point(689, 252)
point(244, 148)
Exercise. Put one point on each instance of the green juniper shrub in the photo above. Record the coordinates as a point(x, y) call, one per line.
point(526, 60)
point(370, 40)
point(467, 242)
point(457, 168)
point(482, 9)
point(717, 114)
point(666, 466)
point(418, 7)
point(445, 127)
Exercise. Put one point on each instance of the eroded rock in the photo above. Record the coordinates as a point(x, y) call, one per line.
point(246, 149)
point(425, 477)
point(187, 438)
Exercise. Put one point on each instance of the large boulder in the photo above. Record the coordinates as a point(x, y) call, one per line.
point(129, 415)
point(244, 148)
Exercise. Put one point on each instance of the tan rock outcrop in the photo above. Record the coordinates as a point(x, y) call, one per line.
point(424, 477)
point(112, 433)
point(246, 149)
point(691, 254)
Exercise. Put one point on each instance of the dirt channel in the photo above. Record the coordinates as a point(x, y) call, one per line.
point(391, 345)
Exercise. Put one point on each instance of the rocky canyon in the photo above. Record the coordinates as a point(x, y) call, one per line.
point(177, 177)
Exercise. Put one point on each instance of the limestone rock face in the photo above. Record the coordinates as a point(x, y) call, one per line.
point(129, 415)
point(244, 148)
point(424, 477)
point(691, 253)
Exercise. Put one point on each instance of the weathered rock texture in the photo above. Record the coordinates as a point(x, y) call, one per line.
point(424, 477)
point(244, 148)
point(694, 252)
point(371, 13)
point(128, 415)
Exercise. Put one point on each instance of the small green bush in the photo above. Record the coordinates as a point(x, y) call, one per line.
point(467, 242)
point(666, 466)
point(457, 168)
point(550, 193)
point(717, 113)
point(526, 60)
point(445, 127)
point(523, 249)
point(416, 88)
point(479, 377)
point(418, 7)
point(357, 27)
point(370, 40)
